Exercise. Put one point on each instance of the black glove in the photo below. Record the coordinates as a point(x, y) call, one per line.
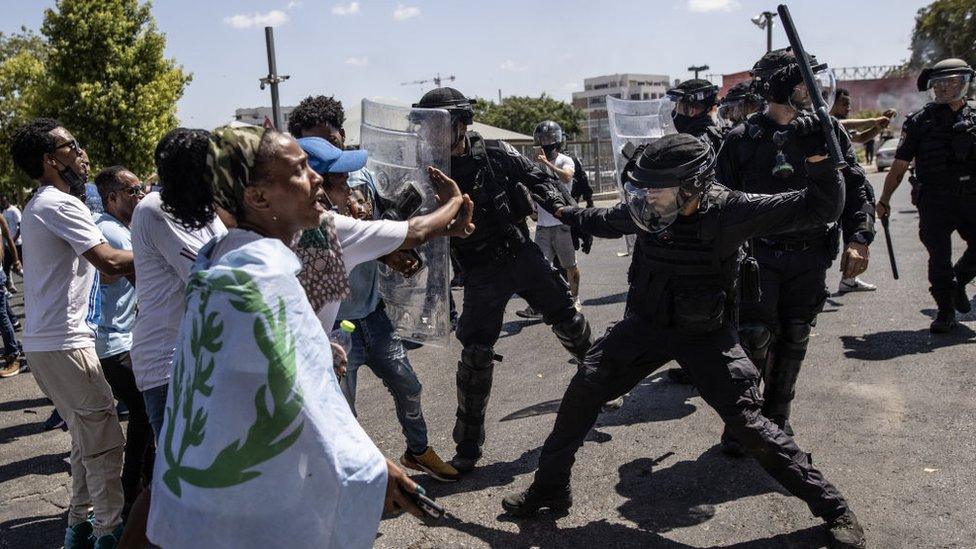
point(805, 124)
point(782, 82)
point(811, 144)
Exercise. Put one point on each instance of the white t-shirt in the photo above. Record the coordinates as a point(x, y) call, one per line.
point(13, 216)
point(362, 241)
point(562, 162)
point(61, 287)
point(164, 252)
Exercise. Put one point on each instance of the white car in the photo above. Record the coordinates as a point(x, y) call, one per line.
point(885, 154)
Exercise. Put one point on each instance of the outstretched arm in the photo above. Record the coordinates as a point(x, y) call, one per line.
point(601, 222)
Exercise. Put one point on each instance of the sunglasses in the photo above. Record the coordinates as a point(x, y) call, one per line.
point(73, 145)
point(135, 190)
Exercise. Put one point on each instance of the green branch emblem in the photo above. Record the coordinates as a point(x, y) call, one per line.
point(273, 430)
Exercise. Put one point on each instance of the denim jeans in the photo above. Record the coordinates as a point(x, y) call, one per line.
point(10, 344)
point(156, 407)
point(376, 344)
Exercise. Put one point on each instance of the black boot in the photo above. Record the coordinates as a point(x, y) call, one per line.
point(959, 298)
point(845, 532)
point(557, 499)
point(731, 446)
point(945, 322)
point(474, 378)
point(679, 376)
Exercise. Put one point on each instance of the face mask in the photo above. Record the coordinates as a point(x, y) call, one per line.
point(550, 152)
point(682, 121)
point(458, 135)
point(76, 183)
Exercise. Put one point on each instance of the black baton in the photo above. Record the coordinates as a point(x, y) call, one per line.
point(891, 249)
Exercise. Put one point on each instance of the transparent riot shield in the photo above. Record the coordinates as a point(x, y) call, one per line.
point(636, 122)
point(402, 142)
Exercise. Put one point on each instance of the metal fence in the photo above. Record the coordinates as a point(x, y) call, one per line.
point(595, 155)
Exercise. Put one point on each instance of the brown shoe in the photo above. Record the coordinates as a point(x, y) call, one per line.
point(429, 462)
point(13, 367)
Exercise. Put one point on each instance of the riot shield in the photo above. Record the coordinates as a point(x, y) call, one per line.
point(402, 142)
point(636, 122)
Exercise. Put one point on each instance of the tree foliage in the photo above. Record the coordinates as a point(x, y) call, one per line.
point(22, 73)
point(522, 114)
point(108, 80)
point(944, 28)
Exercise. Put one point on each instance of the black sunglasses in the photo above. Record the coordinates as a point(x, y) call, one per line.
point(135, 190)
point(73, 145)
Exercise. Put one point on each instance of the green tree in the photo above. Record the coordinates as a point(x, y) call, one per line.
point(521, 114)
point(22, 75)
point(944, 28)
point(109, 82)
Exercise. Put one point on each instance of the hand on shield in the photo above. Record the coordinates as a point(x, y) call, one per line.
point(461, 226)
point(444, 187)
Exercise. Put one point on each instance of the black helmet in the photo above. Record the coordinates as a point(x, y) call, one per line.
point(739, 102)
point(953, 75)
point(770, 71)
point(662, 176)
point(450, 99)
point(547, 133)
point(698, 91)
point(741, 92)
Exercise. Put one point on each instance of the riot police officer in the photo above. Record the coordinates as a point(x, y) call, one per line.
point(739, 103)
point(757, 157)
point(941, 138)
point(498, 260)
point(693, 102)
point(681, 306)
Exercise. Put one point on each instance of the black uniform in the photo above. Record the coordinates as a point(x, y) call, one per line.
point(681, 306)
point(498, 260)
point(703, 127)
point(792, 263)
point(943, 144)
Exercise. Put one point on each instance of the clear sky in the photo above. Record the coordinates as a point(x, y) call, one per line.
point(368, 48)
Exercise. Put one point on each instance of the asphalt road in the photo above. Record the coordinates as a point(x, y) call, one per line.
point(886, 409)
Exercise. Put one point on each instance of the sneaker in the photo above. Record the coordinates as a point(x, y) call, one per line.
point(432, 464)
point(55, 421)
point(528, 313)
point(14, 366)
point(109, 541)
point(945, 322)
point(463, 464)
point(535, 497)
point(845, 532)
point(79, 536)
point(855, 285)
point(612, 405)
point(960, 300)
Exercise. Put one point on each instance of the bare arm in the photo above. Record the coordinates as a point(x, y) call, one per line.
point(110, 261)
point(451, 218)
point(564, 175)
point(892, 181)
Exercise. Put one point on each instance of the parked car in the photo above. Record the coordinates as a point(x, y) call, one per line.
point(885, 155)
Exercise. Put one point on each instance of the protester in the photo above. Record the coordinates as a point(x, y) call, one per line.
point(13, 360)
point(60, 297)
point(12, 255)
point(120, 191)
point(267, 452)
point(375, 342)
point(165, 251)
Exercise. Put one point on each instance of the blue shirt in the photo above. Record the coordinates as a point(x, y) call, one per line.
point(118, 299)
point(364, 279)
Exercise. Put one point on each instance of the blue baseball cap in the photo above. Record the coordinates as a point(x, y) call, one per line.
point(324, 157)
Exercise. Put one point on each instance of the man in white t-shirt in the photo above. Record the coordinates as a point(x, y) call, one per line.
point(12, 215)
point(553, 237)
point(61, 306)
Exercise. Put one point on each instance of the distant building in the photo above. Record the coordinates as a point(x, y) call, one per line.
point(593, 98)
point(257, 115)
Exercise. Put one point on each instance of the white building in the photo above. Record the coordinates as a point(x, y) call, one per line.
point(593, 98)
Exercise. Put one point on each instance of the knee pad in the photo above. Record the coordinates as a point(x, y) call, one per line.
point(755, 339)
point(575, 334)
point(477, 357)
point(794, 338)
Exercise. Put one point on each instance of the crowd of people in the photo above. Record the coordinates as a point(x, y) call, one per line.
point(205, 303)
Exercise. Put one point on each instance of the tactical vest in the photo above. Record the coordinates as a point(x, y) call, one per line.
point(946, 155)
point(497, 227)
point(678, 279)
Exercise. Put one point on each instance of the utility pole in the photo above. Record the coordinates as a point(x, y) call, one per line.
point(765, 21)
point(273, 78)
point(437, 79)
point(697, 69)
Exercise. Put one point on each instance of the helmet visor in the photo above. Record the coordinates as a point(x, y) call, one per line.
point(800, 99)
point(949, 87)
point(544, 139)
point(653, 209)
point(733, 112)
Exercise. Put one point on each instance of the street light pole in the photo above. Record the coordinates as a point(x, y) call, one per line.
point(697, 69)
point(273, 78)
point(765, 21)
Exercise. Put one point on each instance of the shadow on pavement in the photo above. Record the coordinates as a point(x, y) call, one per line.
point(14, 432)
point(488, 475)
point(514, 327)
point(14, 405)
point(42, 531)
point(48, 464)
point(896, 343)
point(606, 300)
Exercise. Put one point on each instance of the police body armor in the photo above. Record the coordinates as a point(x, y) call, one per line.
point(946, 157)
point(677, 278)
point(500, 204)
point(757, 156)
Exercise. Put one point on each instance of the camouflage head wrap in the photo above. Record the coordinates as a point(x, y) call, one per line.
point(230, 162)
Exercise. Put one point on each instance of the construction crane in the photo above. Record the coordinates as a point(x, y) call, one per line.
point(436, 80)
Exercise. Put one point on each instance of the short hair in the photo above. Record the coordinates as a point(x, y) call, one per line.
point(313, 111)
point(107, 181)
point(181, 162)
point(31, 142)
point(841, 92)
